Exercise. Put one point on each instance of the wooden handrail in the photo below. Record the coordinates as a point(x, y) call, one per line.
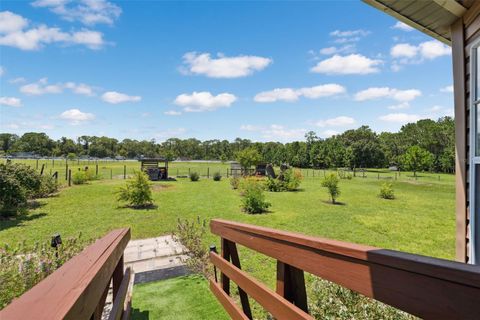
point(77, 290)
point(426, 287)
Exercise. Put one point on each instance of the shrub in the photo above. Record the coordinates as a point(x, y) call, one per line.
point(29, 179)
point(331, 183)
point(332, 301)
point(253, 197)
point(90, 175)
point(235, 182)
point(13, 197)
point(191, 234)
point(288, 180)
point(48, 186)
point(137, 192)
point(79, 177)
point(217, 176)
point(386, 191)
point(21, 268)
point(194, 176)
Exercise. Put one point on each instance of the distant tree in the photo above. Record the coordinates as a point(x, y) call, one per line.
point(248, 157)
point(417, 159)
point(331, 183)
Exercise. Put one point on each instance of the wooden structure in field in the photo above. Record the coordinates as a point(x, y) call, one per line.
point(456, 23)
point(422, 286)
point(155, 168)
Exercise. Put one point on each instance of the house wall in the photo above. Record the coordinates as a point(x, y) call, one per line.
point(465, 32)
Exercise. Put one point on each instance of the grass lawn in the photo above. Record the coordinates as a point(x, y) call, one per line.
point(420, 220)
point(167, 300)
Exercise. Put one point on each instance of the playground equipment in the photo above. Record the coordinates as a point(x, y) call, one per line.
point(153, 168)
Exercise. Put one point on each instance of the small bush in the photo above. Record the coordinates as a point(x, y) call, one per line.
point(194, 176)
point(288, 180)
point(253, 197)
point(332, 301)
point(235, 182)
point(331, 183)
point(191, 234)
point(217, 176)
point(21, 268)
point(137, 192)
point(29, 179)
point(79, 177)
point(13, 197)
point(386, 191)
point(48, 186)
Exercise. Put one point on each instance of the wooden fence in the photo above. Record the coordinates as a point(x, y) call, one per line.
point(422, 286)
point(78, 289)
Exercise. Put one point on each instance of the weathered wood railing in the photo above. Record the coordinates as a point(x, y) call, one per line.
point(78, 289)
point(425, 287)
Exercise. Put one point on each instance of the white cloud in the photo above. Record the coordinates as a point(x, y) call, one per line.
point(433, 49)
point(405, 53)
point(76, 117)
point(448, 89)
point(400, 117)
point(439, 111)
point(347, 36)
point(14, 33)
point(404, 50)
point(278, 94)
point(386, 92)
point(276, 132)
point(341, 121)
point(2, 71)
point(335, 50)
point(172, 113)
point(114, 97)
point(291, 94)
point(329, 133)
point(400, 106)
point(170, 133)
point(18, 80)
point(222, 66)
point(88, 12)
point(350, 64)
point(204, 101)
point(42, 87)
point(402, 26)
point(10, 101)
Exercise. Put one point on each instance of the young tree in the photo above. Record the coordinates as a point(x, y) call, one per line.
point(331, 183)
point(417, 159)
point(248, 157)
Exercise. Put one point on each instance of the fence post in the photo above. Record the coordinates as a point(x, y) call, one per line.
point(379, 176)
point(69, 177)
point(227, 172)
point(66, 170)
point(96, 169)
point(208, 172)
point(188, 171)
point(36, 165)
point(111, 173)
point(53, 162)
point(43, 167)
point(124, 172)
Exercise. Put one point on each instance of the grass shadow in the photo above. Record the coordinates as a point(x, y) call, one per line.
point(6, 223)
point(337, 203)
point(140, 315)
point(146, 207)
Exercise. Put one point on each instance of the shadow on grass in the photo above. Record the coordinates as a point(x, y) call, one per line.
point(140, 315)
point(145, 207)
point(6, 223)
point(337, 203)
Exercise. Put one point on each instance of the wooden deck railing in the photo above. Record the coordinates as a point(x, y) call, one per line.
point(422, 286)
point(78, 289)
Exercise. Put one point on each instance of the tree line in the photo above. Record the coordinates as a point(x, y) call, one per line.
point(357, 148)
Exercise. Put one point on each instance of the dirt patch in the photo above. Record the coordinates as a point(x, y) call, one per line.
point(161, 187)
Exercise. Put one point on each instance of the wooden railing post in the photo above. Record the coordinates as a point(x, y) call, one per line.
point(236, 262)
point(225, 255)
point(117, 277)
point(291, 285)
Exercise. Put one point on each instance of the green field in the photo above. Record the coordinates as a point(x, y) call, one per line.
point(420, 220)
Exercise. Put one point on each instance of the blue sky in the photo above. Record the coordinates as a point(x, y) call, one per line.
point(216, 69)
